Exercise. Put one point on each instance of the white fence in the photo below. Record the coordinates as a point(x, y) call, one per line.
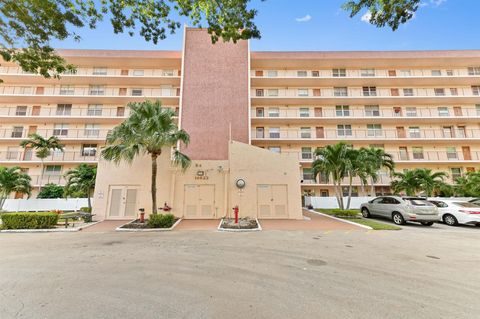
point(43, 205)
point(331, 202)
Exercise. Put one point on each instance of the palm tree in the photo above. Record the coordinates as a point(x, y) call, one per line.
point(406, 181)
point(148, 130)
point(332, 161)
point(430, 181)
point(43, 147)
point(376, 159)
point(356, 166)
point(468, 185)
point(82, 178)
point(13, 180)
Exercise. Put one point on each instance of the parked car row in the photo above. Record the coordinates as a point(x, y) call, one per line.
point(417, 209)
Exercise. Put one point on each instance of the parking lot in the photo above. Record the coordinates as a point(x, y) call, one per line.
point(417, 272)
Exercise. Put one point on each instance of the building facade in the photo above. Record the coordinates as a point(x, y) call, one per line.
point(422, 107)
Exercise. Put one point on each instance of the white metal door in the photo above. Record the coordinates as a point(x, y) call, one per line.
point(122, 202)
point(199, 201)
point(272, 201)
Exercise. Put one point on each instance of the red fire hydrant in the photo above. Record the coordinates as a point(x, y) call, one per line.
point(142, 215)
point(235, 212)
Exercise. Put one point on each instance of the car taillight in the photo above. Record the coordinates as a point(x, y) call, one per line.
point(471, 212)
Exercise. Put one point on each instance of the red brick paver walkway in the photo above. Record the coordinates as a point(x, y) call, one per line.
point(316, 222)
point(105, 226)
point(198, 224)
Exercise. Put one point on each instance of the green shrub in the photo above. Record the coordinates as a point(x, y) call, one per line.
point(86, 214)
point(161, 221)
point(51, 191)
point(29, 220)
point(344, 213)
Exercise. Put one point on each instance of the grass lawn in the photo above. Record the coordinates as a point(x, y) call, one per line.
point(353, 215)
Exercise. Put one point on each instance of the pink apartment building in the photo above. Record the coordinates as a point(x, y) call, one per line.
point(254, 116)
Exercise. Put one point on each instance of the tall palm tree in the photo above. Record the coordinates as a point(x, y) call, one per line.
point(13, 180)
point(332, 161)
point(43, 148)
point(377, 159)
point(149, 129)
point(430, 181)
point(82, 178)
point(407, 181)
point(356, 166)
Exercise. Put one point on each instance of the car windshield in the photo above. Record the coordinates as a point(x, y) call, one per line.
point(418, 202)
point(466, 204)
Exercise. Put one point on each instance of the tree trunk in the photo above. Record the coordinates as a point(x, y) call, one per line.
point(89, 202)
point(41, 176)
point(372, 188)
point(154, 183)
point(350, 181)
point(3, 198)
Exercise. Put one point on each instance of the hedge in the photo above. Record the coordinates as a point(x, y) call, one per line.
point(343, 213)
point(29, 220)
point(161, 221)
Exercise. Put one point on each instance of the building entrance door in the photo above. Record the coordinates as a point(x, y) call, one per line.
point(122, 202)
point(272, 201)
point(199, 201)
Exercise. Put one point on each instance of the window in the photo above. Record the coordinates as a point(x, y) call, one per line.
point(414, 132)
point(166, 73)
point(443, 111)
point(53, 170)
point(411, 111)
point(436, 73)
point(367, 72)
point(260, 112)
point(374, 130)
point(474, 71)
point(94, 110)
point(308, 174)
point(372, 110)
point(63, 109)
point(403, 153)
point(272, 73)
point(89, 149)
point(273, 112)
point(12, 153)
point(369, 91)
point(456, 172)
point(305, 132)
point(67, 90)
point(354, 191)
point(260, 132)
point(454, 91)
point(344, 130)
point(417, 152)
point(302, 74)
point(342, 110)
point(302, 92)
point(60, 129)
point(138, 72)
point(274, 132)
point(339, 73)
point(275, 149)
point(405, 73)
point(272, 92)
point(439, 92)
point(307, 153)
point(407, 92)
point(340, 91)
point(476, 90)
point(92, 130)
point(452, 153)
point(137, 92)
point(17, 132)
point(259, 92)
point(450, 72)
point(99, 71)
point(447, 131)
point(304, 112)
point(315, 74)
point(21, 110)
point(461, 132)
point(97, 90)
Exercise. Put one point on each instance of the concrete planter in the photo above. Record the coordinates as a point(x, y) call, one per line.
point(148, 230)
point(236, 230)
point(49, 230)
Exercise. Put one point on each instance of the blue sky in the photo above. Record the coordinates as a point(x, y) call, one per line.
point(307, 25)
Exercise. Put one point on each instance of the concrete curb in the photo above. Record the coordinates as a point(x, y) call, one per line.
point(51, 230)
point(147, 230)
point(339, 219)
point(232, 230)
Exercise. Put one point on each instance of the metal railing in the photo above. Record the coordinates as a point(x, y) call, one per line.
point(29, 156)
point(60, 133)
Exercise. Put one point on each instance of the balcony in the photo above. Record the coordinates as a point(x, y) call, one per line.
point(62, 134)
point(384, 96)
point(307, 180)
point(318, 134)
point(17, 94)
point(47, 179)
point(28, 156)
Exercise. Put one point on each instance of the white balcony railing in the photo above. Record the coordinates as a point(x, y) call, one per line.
point(88, 134)
point(29, 156)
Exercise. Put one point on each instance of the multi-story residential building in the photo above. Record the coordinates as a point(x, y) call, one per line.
point(421, 107)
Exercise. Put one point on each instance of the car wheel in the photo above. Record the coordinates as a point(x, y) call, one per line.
point(450, 220)
point(398, 218)
point(365, 213)
point(427, 223)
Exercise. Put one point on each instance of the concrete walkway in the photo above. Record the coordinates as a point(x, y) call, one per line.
point(105, 226)
point(316, 222)
point(198, 224)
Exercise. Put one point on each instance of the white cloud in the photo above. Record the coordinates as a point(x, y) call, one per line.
point(304, 19)
point(432, 3)
point(366, 17)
